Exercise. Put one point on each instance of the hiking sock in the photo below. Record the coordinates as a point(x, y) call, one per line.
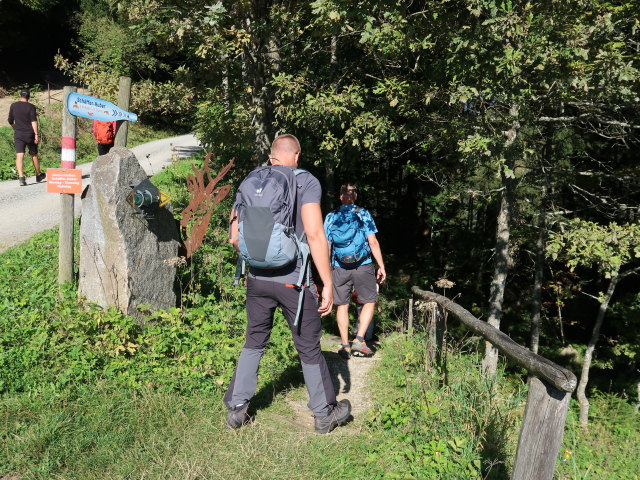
point(346, 346)
point(360, 339)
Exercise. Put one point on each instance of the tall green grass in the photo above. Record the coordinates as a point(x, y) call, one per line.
point(87, 393)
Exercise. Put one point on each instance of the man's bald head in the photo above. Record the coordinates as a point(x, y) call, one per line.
point(285, 150)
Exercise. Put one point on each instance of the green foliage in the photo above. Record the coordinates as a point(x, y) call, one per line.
point(54, 343)
point(109, 44)
point(224, 129)
point(39, 5)
point(608, 247)
point(416, 441)
point(159, 101)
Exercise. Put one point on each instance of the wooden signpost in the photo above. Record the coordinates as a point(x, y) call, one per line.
point(124, 95)
point(96, 109)
point(68, 180)
point(68, 161)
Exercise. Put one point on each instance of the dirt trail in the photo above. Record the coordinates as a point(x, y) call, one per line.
point(31, 209)
point(350, 378)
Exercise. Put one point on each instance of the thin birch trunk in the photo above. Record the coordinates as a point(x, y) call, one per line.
point(536, 303)
point(262, 58)
point(490, 362)
point(225, 86)
point(588, 354)
point(329, 164)
point(498, 284)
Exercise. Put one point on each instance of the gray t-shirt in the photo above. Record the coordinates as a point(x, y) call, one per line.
point(309, 191)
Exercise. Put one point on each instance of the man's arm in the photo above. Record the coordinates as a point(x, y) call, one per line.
point(10, 117)
point(377, 254)
point(34, 125)
point(233, 229)
point(314, 229)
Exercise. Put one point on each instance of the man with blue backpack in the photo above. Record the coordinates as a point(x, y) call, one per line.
point(351, 232)
point(276, 224)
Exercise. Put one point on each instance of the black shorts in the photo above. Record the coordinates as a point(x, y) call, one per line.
point(24, 140)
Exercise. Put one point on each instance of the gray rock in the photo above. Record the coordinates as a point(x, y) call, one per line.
point(125, 259)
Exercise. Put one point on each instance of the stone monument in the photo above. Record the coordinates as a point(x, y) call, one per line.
point(127, 258)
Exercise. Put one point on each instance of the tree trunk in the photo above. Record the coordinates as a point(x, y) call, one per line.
point(225, 86)
point(490, 362)
point(588, 354)
point(538, 276)
point(262, 57)
point(329, 164)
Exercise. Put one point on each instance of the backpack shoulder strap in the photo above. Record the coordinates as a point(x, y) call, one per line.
point(357, 211)
point(334, 213)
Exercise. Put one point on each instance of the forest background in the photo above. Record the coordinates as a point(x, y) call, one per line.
point(494, 142)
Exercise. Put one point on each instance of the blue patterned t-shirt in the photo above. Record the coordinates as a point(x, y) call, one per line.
point(367, 221)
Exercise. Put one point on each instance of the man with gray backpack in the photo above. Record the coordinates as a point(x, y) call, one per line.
point(351, 232)
point(276, 224)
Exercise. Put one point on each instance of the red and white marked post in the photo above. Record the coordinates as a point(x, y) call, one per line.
point(68, 155)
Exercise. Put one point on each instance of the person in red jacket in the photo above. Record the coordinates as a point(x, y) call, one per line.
point(105, 135)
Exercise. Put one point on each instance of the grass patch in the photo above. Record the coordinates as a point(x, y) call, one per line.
point(419, 429)
point(608, 448)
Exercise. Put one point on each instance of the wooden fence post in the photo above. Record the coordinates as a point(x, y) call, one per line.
point(68, 160)
point(541, 431)
point(410, 318)
point(547, 403)
point(124, 97)
point(435, 333)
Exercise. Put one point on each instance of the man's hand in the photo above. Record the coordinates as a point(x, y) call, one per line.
point(37, 139)
point(327, 301)
point(381, 276)
point(235, 241)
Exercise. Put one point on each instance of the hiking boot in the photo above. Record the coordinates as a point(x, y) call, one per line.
point(40, 177)
point(22, 181)
point(360, 349)
point(344, 352)
point(339, 415)
point(238, 417)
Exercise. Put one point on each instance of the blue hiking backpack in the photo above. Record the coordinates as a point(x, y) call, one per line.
point(349, 243)
point(266, 213)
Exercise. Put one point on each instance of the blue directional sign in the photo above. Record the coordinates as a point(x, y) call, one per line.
point(96, 109)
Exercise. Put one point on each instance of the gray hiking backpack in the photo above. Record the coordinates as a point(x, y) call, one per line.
point(266, 211)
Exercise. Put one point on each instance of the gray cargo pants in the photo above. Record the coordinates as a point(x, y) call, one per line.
point(262, 299)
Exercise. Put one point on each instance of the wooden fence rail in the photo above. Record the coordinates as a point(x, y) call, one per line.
point(550, 388)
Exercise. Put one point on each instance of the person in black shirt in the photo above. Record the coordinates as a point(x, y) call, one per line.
point(23, 119)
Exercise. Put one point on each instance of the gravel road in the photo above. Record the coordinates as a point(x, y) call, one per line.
point(29, 210)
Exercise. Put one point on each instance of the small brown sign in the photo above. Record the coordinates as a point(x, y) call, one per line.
point(64, 180)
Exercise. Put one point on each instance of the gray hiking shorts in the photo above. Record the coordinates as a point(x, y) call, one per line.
point(362, 279)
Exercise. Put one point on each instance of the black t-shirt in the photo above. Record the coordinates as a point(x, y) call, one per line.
point(21, 114)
